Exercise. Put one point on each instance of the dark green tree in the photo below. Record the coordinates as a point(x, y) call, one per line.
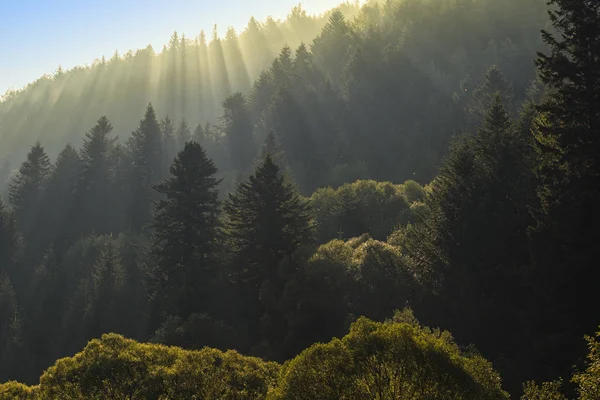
point(266, 221)
point(95, 199)
point(567, 134)
point(472, 245)
point(239, 131)
point(58, 198)
point(146, 148)
point(184, 235)
point(26, 189)
point(492, 83)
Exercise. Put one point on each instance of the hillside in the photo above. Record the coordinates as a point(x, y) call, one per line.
point(434, 156)
point(380, 72)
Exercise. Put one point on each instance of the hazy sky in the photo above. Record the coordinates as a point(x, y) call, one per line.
point(38, 36)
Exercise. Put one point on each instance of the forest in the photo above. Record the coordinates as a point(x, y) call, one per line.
point(392, 200)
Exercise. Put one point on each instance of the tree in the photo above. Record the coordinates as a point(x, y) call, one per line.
point(183, 134)
point(472, 244)
point(146, 147)
point(238, 131)
point(184, 231)
point(27, 187)
point(493, 82)
point(58, 198)
point(95, 197)
point(567, 144)
point(391, 360)
point(266, 221)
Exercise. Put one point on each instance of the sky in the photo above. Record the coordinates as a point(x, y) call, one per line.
point(38, 36)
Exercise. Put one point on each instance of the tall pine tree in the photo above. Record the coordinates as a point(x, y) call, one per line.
point(146, 146)
point(567, 136)
point(266, 221)
point(27, 188)
point(184, 235)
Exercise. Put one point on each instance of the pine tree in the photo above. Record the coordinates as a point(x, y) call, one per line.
point(472, 245)
point(493, 82)
point(146, 148)
point(239, 131)
point(27, 188)
point(170, 141)
point(266, 221)
point(94, 202)
point(107, 288)
point(184, 234)
point(58, 199)
point(567, 134)
point(183, 134)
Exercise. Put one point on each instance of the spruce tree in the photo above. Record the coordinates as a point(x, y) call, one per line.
point(184, 234)
point(492, 83)
point(58, 198)
point(147, 152)
point(239, 131)
point(183, 134)
point(266, 221)
point(472, 246)
point(567, 134)
point(27, 188)
point(95, 198)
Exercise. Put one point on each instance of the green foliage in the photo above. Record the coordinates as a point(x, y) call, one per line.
point(115, 367)
point(14, 390)
point(369, 207)
point(388, 361)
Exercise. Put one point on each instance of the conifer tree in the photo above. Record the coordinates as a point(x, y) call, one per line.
point(58, 199)
point(239, 131)
point(184, 234)
point(170, 141)
point(105, 305)
point(183, 134)
point(472, 245)
point(567, 134)
point(266, 221)
point(94, 197)
point(27, 188)
point(493, 82)
point(147, 151)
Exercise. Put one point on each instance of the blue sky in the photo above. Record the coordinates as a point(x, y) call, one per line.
point(38, 36)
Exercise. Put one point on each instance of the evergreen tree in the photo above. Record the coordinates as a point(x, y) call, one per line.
point(184, 234)
point(146, 148)
point(170, 141)
point(105, 305)
point(239, 131)
point(492, 83)
point(567, 136)
point(95, 198)
point(183, 134)
point(472, 245)
point(266, 221)
point(27, 188)
point(58, 199)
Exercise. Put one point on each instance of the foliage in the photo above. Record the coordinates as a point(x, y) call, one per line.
point(388, 361)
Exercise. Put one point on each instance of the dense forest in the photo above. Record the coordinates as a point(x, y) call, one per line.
point(283, 214)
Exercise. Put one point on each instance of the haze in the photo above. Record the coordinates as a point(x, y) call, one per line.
point(38, 36)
